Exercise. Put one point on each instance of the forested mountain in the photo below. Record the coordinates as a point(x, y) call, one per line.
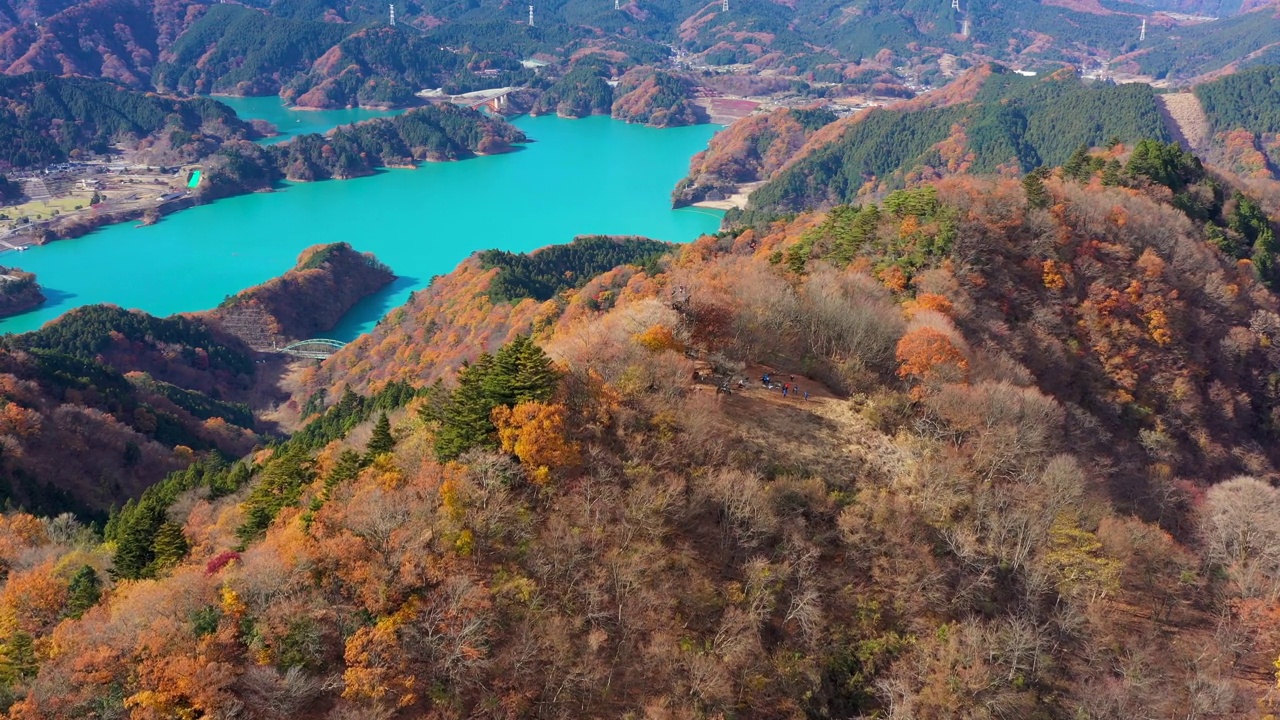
point(580, 92)
point(1019, 469)
point(544, 274)
point(239, 50)
point(119, 40)
point(1243, 112)
point(103, 402)
point(19, 291)
point(750, 150)
point(47, 119)
point(972, 414)
point(1013, 124)
point(438, 132)
point(656, 98)
point(307, 301)
point(1247, 100)
point(386, 66)
point(330, 53)
point(1185, 52)
point(433, 133)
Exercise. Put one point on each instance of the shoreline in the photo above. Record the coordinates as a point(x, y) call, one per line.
point(80, 278)
point(736, 201)
point(70, 227)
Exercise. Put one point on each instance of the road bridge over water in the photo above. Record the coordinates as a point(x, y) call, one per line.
point(494, 98)
point(316, 348)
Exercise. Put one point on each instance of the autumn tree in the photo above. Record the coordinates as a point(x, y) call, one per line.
point(1240, 526)
point(535, 433)
point(929, 355)
point(1076, 562)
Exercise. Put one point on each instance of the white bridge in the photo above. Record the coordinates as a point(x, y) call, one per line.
point(317, 348)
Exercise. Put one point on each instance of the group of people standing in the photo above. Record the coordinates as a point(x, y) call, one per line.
point(788, 388)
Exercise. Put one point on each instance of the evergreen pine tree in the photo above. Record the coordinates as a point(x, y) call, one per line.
point(1111, 173)
point(280, 486)
point(1247, 218)
point(83, 592)
point(466, 422)
point(381, 441)
point(535, 378)
point(519, 372)
point(1221, 240)
point(112, 527)
point(136, 535)
point(499, 382)
point(230, 480)
point(344, 470)
point(1076, 166)
point(1264, 257)
point(170, 546)
point(1145, 161)
point(436, 399)
point(1033, 185)
point(17, 658)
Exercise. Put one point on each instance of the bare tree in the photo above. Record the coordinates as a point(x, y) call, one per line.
point(1240, 527)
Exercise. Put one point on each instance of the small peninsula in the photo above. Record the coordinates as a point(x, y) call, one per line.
point(308, 300)
point(19, 291)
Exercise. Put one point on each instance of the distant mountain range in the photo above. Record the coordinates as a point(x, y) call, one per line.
point(320, 52)
point(990, 120)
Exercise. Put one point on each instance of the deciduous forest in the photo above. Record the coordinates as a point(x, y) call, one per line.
point(989, 447)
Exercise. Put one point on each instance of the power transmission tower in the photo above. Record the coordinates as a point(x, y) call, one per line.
point(955, 5)
point(1142, 34)
point(393, 14)
point(964, 29)
point(530, 16)
point(724, 5)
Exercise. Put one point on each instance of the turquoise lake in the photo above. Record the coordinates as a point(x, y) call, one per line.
point(578, 177)
point(296, 122)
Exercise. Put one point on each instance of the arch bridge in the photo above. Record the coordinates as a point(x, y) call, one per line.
point(318, 348)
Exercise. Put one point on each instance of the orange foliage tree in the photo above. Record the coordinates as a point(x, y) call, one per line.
point(535, 433)
point(929, 356)
point(659, 338)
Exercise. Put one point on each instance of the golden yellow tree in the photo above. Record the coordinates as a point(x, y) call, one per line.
point(535, 433)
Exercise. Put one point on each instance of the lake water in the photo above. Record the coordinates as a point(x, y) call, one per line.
point(293, 122)
point(579, 177)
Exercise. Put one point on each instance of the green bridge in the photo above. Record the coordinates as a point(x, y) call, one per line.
point(318, 348)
